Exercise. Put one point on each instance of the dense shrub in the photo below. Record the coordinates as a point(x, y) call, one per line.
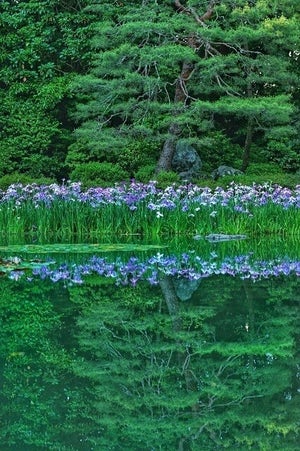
point(137, 155)
point(167, 178)
point(99, 174)
point(145, 173)
point(287, 180)
point(10, 179)
point(217, 149)
point(263, 168)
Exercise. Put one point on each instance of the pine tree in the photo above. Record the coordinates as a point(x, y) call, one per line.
point(165, 71)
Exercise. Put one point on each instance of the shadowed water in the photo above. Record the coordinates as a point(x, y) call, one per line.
point(185, 363)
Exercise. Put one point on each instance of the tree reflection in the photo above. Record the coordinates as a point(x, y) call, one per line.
point(99, 367)
point(174, 375)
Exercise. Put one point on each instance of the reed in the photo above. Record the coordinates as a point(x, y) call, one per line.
point(126, 209)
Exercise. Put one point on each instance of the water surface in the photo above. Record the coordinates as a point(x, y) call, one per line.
point(184, 364)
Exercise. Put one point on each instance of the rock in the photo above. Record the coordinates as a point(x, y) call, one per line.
point(225, 170)
point(223, 237)
point(185, 288)
point(186, 161)
point(198, 237)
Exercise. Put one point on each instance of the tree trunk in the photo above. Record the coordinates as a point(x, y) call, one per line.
point(167, 153)
point(181, 94)
point(247, 145)
point(249, 129)
point(169, 294)
point(183, 357)
point(249, 132)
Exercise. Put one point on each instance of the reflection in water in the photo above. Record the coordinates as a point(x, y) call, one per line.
point(100, 367)
point(190, 266)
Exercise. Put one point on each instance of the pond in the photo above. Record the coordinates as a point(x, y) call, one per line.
point(170, 346)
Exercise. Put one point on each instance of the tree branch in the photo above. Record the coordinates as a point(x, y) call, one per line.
point(199, 19)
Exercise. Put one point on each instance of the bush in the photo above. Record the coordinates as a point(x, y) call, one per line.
point(166, 178)
point(282, 154)
point(287, 180)
point(15, 177)
point(98, 174)
point(263, 168)
point(145, 174)
point(217, 149)
point(136, 156)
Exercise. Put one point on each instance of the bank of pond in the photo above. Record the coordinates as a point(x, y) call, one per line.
point(62, 211)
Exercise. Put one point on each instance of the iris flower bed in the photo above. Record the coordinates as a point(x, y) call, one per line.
point(187, 265)
point(144, 209)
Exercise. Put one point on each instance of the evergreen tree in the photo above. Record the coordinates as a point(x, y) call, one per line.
point(209, 72)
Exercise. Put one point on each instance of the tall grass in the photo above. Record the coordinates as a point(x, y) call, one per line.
point(66, 210)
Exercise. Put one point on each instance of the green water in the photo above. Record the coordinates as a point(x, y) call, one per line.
point(205, 365)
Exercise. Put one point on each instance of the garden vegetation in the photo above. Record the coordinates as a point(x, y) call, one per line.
point(100, 92)
point(60, 211)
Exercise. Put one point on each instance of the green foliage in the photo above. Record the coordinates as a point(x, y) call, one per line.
point(15, 177)
point(281, 153)
point(217, 149)
point(41, 46)
point(98, 174)
point(137, 155)
point(28, 137)
point(263, 168)
point(244, 76)
point(110, 71)
point(280, 178)
point(145, 173)
point(166, 178)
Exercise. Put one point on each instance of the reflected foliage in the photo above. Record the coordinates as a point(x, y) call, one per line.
point(216, 372)
point(97, 366)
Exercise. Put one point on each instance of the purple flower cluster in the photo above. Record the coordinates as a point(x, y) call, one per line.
point(186, 197)
point(188, 265)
